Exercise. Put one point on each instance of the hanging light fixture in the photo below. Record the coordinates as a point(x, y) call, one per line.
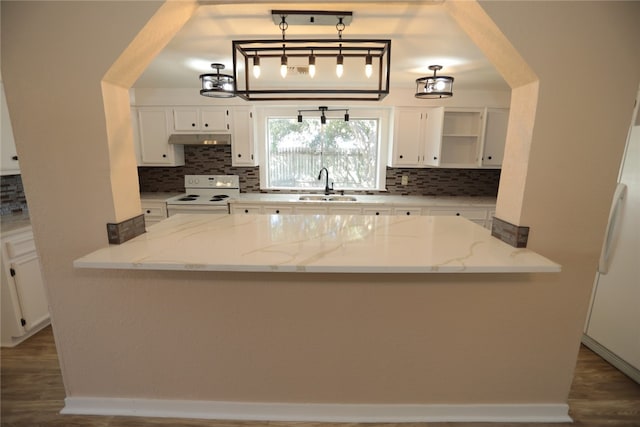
point(283, 59)
point(434, 86)
point(323, 117)
point(217, 85)
point(340, 59)
point(293, 55)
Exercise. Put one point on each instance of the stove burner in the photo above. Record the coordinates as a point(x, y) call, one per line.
point(188, 198)
point(218, 198)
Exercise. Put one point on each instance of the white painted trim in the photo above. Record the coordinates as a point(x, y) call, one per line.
point(359, 413)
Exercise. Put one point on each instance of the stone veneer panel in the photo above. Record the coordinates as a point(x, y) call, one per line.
point(514, 235)
point(216, 160)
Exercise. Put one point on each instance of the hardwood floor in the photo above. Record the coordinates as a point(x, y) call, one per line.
point(32, 396)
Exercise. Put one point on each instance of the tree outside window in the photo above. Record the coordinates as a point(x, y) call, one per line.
point(297, 151)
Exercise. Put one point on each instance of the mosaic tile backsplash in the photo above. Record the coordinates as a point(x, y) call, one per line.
point(216, 160)
point(12, 198)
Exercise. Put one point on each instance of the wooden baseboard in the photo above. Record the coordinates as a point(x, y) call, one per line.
point(355, 413)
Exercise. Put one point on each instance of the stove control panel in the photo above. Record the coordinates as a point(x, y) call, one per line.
point(212, 181)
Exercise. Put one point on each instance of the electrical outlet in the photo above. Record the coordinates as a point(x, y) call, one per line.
point(405, 180)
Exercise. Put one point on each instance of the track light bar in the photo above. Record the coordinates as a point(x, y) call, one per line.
point(323, 109)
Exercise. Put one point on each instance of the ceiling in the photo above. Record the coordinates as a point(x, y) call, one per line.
point(422, 34)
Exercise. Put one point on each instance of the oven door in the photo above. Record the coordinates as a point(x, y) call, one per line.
point(197, 209)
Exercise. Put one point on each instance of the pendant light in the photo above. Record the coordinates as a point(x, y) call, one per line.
point(312, 65)
point(368, 65)
point(283, 59)
point(217, 85)
point(434, 86)
point(256, 66)
point(340, 59)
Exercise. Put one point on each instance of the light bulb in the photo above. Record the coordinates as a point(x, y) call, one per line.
point(339, 66)
point(368, 67)
point(256, 66)
point(283, 66)
point(440, 85)
point(312, 65)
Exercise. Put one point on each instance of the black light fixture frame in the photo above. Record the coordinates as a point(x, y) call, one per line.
point(244, 51)
point(323, 109)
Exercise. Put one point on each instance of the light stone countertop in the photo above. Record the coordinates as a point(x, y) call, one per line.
point(391, 200)
point(318, 243)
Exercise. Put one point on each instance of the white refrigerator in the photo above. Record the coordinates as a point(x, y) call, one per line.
point(612, 328)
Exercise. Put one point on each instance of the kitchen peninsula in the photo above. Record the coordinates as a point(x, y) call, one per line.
point(318, 244)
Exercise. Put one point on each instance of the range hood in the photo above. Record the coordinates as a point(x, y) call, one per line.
point(201, 139)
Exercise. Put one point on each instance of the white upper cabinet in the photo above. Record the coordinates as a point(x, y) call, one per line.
point(153, 137)
point(243, 149)
point(495, 135)
point(462, 134)
point(8, 156)
point(416, 137)
point(202, 119)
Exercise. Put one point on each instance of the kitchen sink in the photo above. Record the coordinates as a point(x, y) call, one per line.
point(323, 198)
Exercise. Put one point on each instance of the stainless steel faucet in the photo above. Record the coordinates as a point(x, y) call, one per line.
point(327, 189)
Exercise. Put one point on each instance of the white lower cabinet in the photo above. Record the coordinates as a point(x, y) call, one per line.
point(154, 211)
point(407, 211)
point(25, 310)
point(246, 208)
point(277, 210)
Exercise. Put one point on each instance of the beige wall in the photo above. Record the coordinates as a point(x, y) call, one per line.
point(434, 339)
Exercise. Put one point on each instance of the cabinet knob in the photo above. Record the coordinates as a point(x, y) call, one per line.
point(239, 155)
point(206, 125)
point(246, 211)
point(457, 213)
point(193, 125)
point(377, 213)
point(164, 156)
point(148, 211)
point(489, 157)
point(401, 156)
point(408, 213)
point(14, 158)
point(435, 158)
point(277, 211)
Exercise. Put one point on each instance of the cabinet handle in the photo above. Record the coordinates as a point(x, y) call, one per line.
point(408, 213)
point(14, 158)
point(401, 156)
point(206, 125)
point(227, 126)
point(457, 213)
point(193, 125)
point(246, 211)
point(435, 158)
point(239, 155)
point(164, 156)
point(148, 211)
point(377, 213)
point(489, 157)
point(277, 211)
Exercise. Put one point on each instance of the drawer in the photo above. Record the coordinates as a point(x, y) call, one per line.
point(155, 211)
point(474, 214)
point(407, 211)
point(377, 211)
point(245, 209)
point(20, 246)
point(277, 210)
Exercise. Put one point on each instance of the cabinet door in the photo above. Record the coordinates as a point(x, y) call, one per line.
point(214, 120)
point(377, 210)
point(277, 210)
point(495, 136)
point(242, 138)
point(8, 155)
point(154, 146)
point(186, 119)
point(407, 211)
point(407, 137)
point(433, 123)
point(345, 210)
point(30, 290)
point(238, 208)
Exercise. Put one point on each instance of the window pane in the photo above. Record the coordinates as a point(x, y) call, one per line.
point(297, 152)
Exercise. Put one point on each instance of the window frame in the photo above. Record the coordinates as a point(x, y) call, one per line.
point(383, 115)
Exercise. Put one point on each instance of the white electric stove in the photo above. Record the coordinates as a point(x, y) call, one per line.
point(207, 194)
